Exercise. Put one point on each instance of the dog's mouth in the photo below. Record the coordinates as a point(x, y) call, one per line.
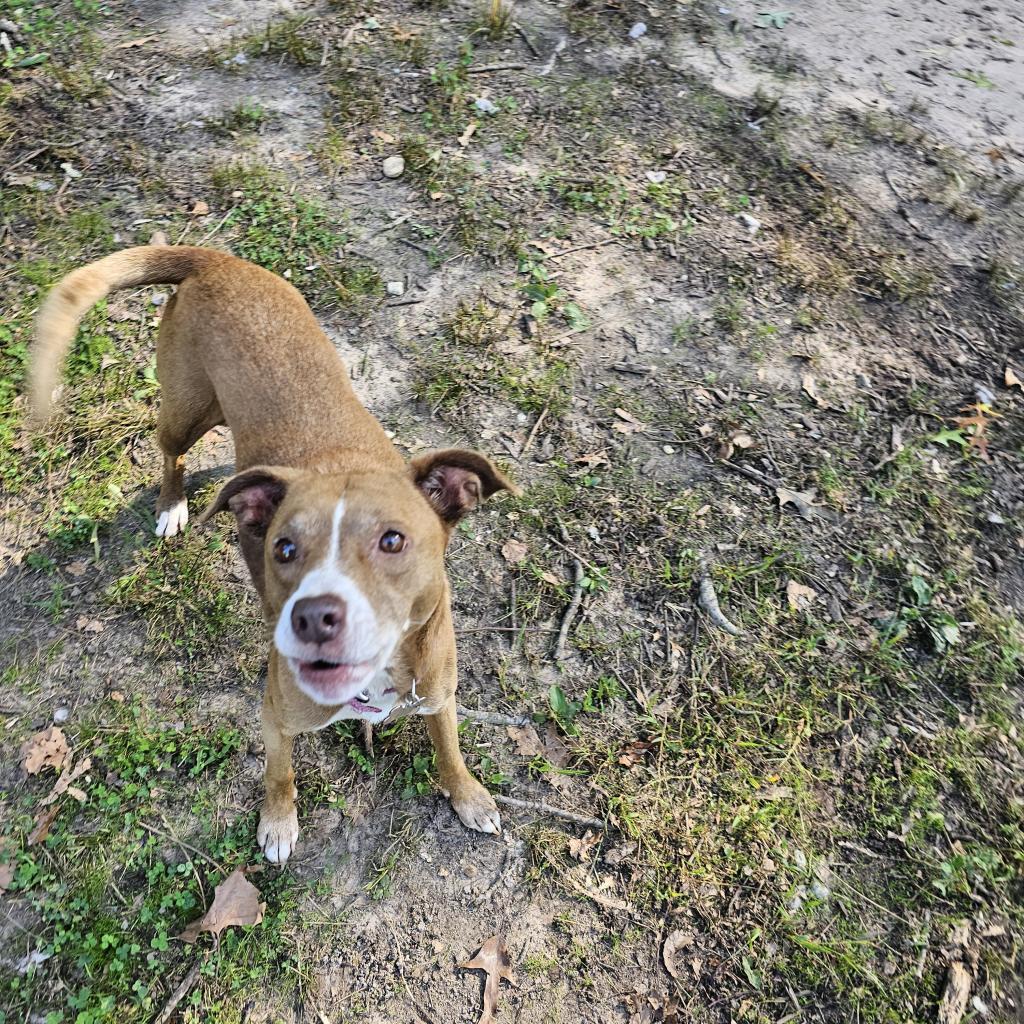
point(334, 682)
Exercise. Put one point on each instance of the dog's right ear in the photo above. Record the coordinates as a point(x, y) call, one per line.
point(254, 496)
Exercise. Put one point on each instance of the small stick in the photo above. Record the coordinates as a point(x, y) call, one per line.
point(543, 808)
point(709, 600)
point(182, 844)
point(512, 614)
point(493, 717)
point(179, 993)
point(581, 248)
point(526, 39)
point(209, 234)
point(533, 431)
point(404, 302)
point(368, 738)
point(485, 69)
point(570, 612)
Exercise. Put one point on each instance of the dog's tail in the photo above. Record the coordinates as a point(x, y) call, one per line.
point(58, 318)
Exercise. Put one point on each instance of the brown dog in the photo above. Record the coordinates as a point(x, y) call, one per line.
point(345, 541)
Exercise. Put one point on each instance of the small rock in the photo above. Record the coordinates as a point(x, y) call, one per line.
point(395, 288)
point(656, 177)
point(158, 298)
point(820, 891)
point(800, 859)
point(668, 449)
point(44, 186)
point(984, 396)
point(485, 106)
point(61, 715)
point(393, 167)
point(638, 30)
point(239, 58)
point(752, 224)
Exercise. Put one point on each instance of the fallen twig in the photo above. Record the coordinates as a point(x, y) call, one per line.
point(550, 65)
point(526, 39)
point(484, 69)
point(533, 431)
point(709, 600)
point(570, 612)
point(493, 717)
point(581, 248)
point(543, 808)
point(179, 993)
point(182, 844)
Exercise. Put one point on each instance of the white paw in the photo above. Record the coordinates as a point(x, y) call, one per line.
point(172, 521)
point(277, 836)
point(479, 812)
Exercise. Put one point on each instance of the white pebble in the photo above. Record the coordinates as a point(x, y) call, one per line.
point(393, 167)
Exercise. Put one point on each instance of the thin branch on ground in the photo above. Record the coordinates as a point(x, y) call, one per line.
point(542, 808)
point(709, 600)
point(179, 993)
point(492, 717)
point(570, 612)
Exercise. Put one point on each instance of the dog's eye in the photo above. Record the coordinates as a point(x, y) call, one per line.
point(285, 550)
point(392, 542)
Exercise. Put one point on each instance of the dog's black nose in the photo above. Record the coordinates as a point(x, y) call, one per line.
point(316, 620)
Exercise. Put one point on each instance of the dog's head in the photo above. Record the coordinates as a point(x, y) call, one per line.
point(347, 564)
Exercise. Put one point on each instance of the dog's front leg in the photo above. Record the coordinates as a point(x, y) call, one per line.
point(470, 801)
point(278, 830)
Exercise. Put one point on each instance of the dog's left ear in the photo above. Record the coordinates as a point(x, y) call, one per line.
point(253, 496)
point(455, 481)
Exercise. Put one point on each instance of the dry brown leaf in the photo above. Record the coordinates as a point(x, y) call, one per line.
point(78, 568)
point(742, 440)
point(957, 992)
point(236, 901)
point(527, 741)
point(132, 43)
point(592, 459)
point(1011, 380)
point(63, 784)
point(550, 577)
point(580, 849)
point(467, 134)
point(800, 597)
point(628, 423)
point(676, 941)
point(200, 208)
point(41, 829)
point(493, 958)
point(89, 625)
point(810, 388)
point(46, 749)
point(803, 501)
point(555, 749)
point(514, 552)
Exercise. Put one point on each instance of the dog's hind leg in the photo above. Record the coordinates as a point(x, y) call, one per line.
point(188, 409)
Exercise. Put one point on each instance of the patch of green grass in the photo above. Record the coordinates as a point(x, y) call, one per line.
point(465, 359)
point(115, 881)
point(291, 235)
point(246, 116)
point(290, 38)
point(178, 590)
